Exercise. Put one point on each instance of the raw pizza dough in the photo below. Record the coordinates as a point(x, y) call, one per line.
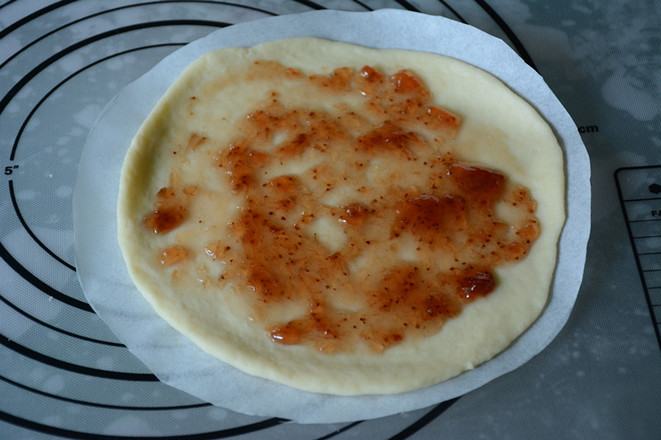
point(188, 276)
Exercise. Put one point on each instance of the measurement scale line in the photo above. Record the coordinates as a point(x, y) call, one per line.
point(36, 282)
point(407, 5)
point(636, 255)
point(38, 105)
point(424, 420)
point(59, 330)
point(11, 28)
point(646, 199)
point(462, 19)
point(7, 3)
point(310, 4)
point(82, 69)
point(363, 5)
point(81, 435)
point(646, 220)
point(82, 43)
point(109, 11)
point(508, 31)
point(640, 167)
point(81, 369)
point(99, 405)
point(340, 431)
point(29, 231)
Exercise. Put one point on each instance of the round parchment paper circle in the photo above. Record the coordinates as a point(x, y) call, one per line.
point(177, 361)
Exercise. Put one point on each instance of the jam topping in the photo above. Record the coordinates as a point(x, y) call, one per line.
point(382, 234)
point(170, 210)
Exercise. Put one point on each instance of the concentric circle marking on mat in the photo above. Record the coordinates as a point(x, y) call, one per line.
point(35, 365)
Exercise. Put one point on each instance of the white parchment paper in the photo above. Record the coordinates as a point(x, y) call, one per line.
point(177, 361)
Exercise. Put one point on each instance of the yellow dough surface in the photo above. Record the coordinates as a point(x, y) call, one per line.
point(342, 219)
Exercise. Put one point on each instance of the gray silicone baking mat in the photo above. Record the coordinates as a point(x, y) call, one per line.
point(64, 374)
